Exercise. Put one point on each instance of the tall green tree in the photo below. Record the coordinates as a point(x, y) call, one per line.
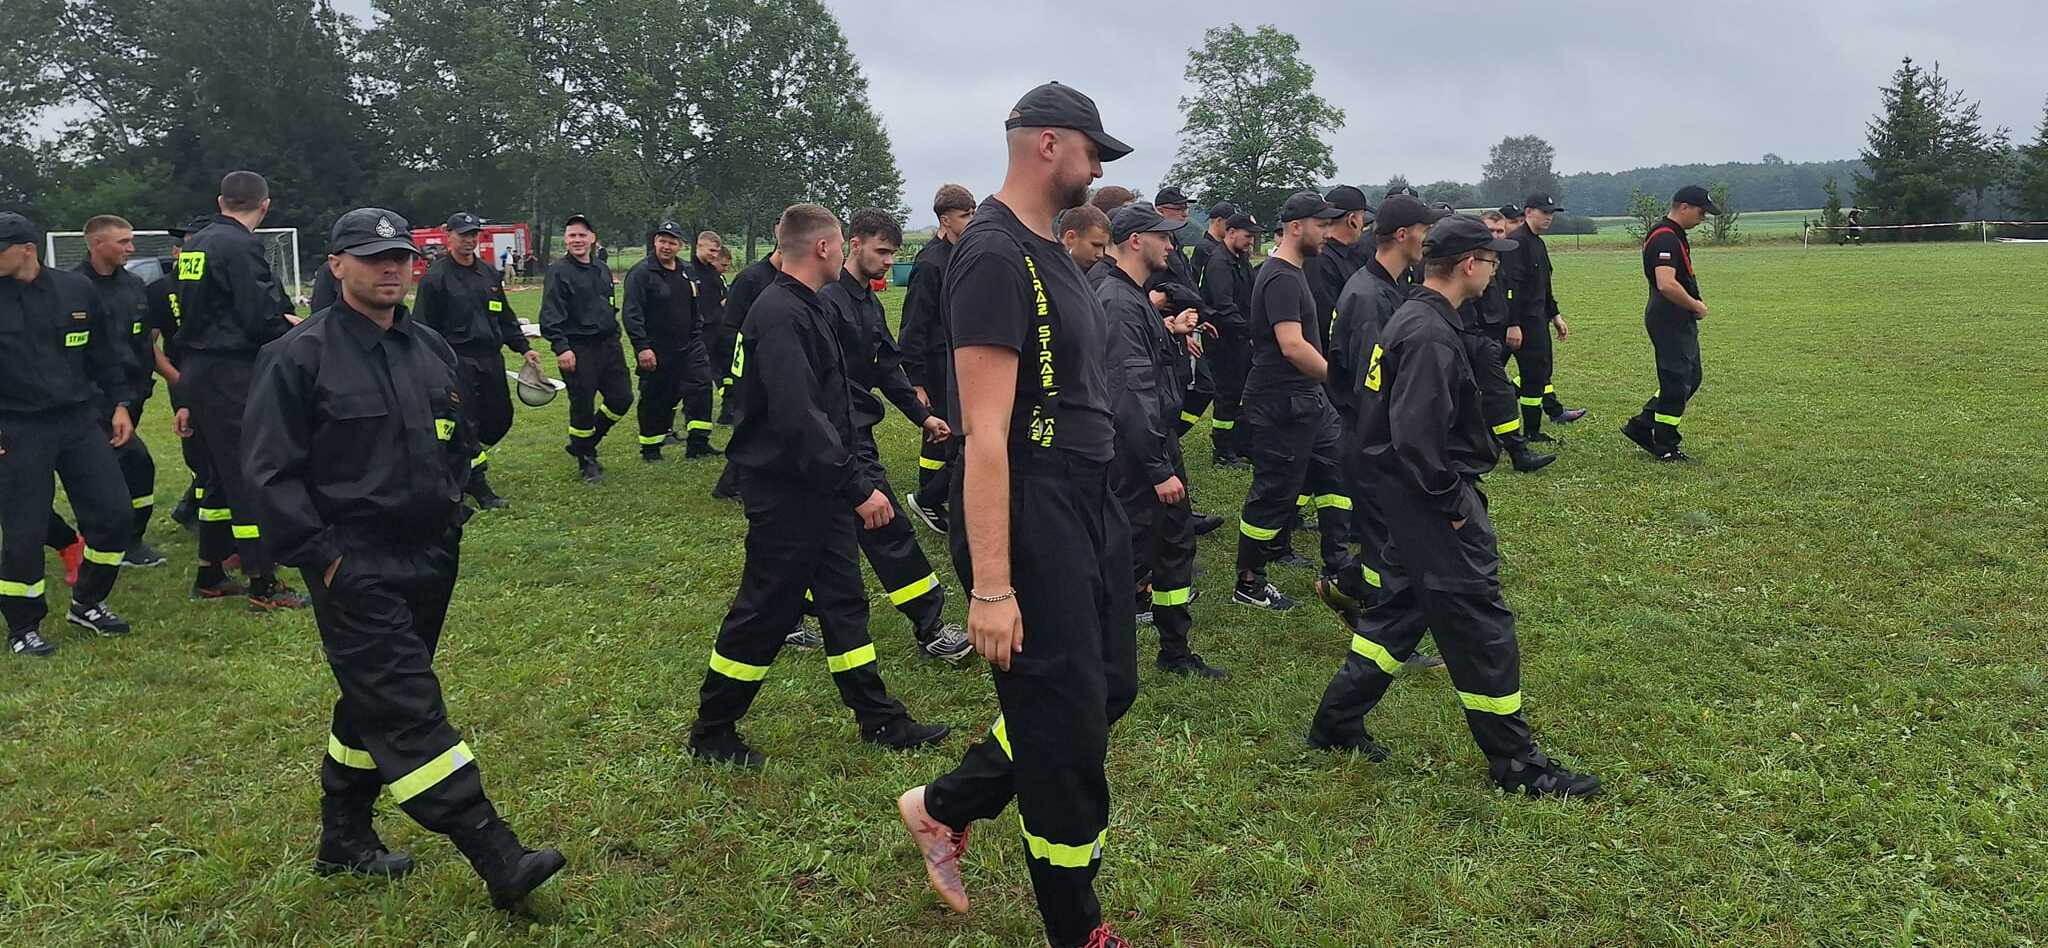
point(2030, 173)
point(1644, 211)
point(1518, 166)
point(1454, 193)
point(1926, 150)
point(1831, 210)
point(1255, 130)
point(1722, 227)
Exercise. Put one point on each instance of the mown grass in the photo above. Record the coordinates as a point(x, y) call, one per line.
point(1808, 666)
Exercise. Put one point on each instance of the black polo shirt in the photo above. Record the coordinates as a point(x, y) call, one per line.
point(1280, 295)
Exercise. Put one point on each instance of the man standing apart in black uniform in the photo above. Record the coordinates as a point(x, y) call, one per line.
point(581, 324)
point(1426, 441)
point(667, 330)
point(463, 298)
point(874, 364)
point(1039, 538)
point(231, 306)
point(1672, 318)
point(358, 455)
point(1227, 290)
point(1342, 254)
point(110, 241)
point(63, 373)
point(1149, 476)
point(1535, 314)
point(927, 359)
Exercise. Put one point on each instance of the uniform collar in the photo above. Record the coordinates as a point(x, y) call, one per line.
point(796, 286)
point(854, 285)
point(1372, 263)
point(1116, 272)
point(359, 327)
point(1440, 303)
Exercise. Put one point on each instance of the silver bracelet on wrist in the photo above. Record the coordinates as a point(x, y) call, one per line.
point(1005, 597)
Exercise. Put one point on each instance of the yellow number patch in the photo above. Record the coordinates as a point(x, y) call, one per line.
point(444, 428)
point(73, 340)
point(1372, 371)
point(497, 307)
point(739, 354)
point(192, 265)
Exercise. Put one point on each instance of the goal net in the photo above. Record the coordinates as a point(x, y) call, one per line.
point(66, 249)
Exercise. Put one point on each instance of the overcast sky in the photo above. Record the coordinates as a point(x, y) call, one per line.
point(1427, 87)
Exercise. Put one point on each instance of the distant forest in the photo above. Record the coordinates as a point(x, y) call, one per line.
point(1772, 184)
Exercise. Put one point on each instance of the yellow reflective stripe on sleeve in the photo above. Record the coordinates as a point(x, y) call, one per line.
point(1001, 731)
point(1339, 501)
point(476, 462)
point(140, 502)
point(215, 514)
point(1221, 425)
point(348, 756)
point(1063, 855)
point(575, 432)
point(198, 493)
point(102, 557)
point(73, 340)
point(22, 590)
point(865, 655)
point(1528, 402)
point(1173, 597)
point(1664, 419)
point(1372, 576)
point(1257, 533)
point(430, 773)
point(898, 597)
point(648, 441)
point(192, 265)
point(1491, 705)
point(698, 426)
point(1549, 389)
point(930, 464)
point(1507, 427)
point(1368, 648)
point(606, 410)
point(1190, 417)
point(737, 670)
point(483, 457)
point(248, 531)
point(444, 429)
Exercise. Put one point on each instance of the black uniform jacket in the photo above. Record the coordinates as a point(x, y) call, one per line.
point(126, 299)
point(228, 299)
point(794, 425)
point(1527, 269)
point(924, 325)
point(59, 346)
point(576, 303)
point(872, 359)
point(1667, 246)
point(660, 307)
point(1227, 289)
point(1368, 301)
point(1141, 380)
point(1328, 272)
point(467, 306)
point(1420, 419)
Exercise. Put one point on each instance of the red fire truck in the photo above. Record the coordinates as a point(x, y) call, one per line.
point(500, 244)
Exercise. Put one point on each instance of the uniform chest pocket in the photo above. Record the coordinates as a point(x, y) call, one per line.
point(1138, 375)
point(356, 406)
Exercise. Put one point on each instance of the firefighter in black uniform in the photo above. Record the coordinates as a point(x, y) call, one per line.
point(1201, 383)
point(807, 494)
point(1227, 290)
point(1535, 315)
point(738, 300)
point(230, 305)
point(110, 241)
point(358, 454)
point(1038, 536)
point(1427, 443)
point(163, 331)
point(462, 297)
point(874, 364)
point(1172, 205)
point(581, 323)
point(927, 360)
point(209, 516)
point(1344, 252)
point(711, 305)
point(1672, 318)
point(667, 330)
point(1489, 317)
point(1150, 477)
point(63, 373)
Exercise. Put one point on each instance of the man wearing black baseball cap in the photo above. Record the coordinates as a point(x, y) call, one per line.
point(1201, 386)
point(1343, 253)
point(580, 322)
point(1172, 205)
point(462, 297)
point(1672, 318)
point(358, 453)
point(667, 331)
point(215, 541)
point(1533, 304)
point(1051, 607)
point(1227, 290)
point(1426, 443)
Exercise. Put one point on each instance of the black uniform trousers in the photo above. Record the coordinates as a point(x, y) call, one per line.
point(935, 460)
point(721, 357)
point(70, 444)
point(194, 451)
point(380, 624)
point(215, 523)
point(1676, 340)
point(1163, 550)
point(1230, 357)
point(681, 376)
point(486, 401)
point(1534, 363)
point(1294, 448)
point(138, 471)
point(1199, 393)
point(1445, 582)
point(799, 540)
point(600, 372)
point(216, 387)
point(1070, 561)
point(1499, 399)
point(892, 551)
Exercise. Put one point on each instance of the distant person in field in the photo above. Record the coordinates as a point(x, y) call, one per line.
point(580, 321)
point(1855, 232)
point(665, 319)
point(1672, 318)
point(1533, 302)
point(1491, 316)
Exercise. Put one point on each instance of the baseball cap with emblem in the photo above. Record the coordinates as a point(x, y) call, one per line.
point(1243, 221)
point(1542, 202)
point(1403, 211)
point(195, 225)
point(1223, 210)
point(15, 229)
point(464, 222)
point(1137, 219)
point(1347, 198)
point(1460, 234)
point(670, 228)
point(574, 219)
point(1512, 212)
point(1696, 196)
point(1057, 106)
point(1308, 204)
point(369, 231)
point(1170, 196)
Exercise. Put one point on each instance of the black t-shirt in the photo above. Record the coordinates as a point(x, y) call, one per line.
point(1668, 246)
point(1280, 294)
point(1009, 287)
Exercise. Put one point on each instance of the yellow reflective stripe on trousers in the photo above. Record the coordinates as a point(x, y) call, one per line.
point(102, 557)
point(1339, 501)
point(1302, 500)
point(248, 531)
point(697, 426)
point(1549, 389)
point(1062, 855)
point(348, 756)
point(1490, 704)
point(927, 584)
point(1664, 419)
point(737, 670)
point(198, 493)
point(1221, 425)
point(141, 502)
point(606, 410)
point(1001, 731)
point(930, 464)
point(575, 432)
point(22, 590)
point(430, 773)
point(1372, 576)
point(647, 441)
point(1257, 533)
point(1190, 417)
point(1528, 402)
point(865, 655)
point(1173, 597)
point(216, 514)
point(1368, 648)
point(1508, 427)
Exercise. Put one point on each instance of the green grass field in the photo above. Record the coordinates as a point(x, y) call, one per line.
point(1809, 667)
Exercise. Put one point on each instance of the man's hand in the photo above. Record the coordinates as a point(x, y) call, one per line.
point(936, 429)
point(1170, 491)
point(1557, 323)
point(1514, 337)
point(1700, 313)
point(1210, 329)
point(1194, 343)
point(566, 361)
point(1183, 322)
point(294, 318)
point(123, 426)
point(327, 578)
point(532, 358)
point(181, 423)
point(1158, 298)
point(996, 629)
point(923, 397)
point(647, 360)
point(1458, 524)
point(875, 512)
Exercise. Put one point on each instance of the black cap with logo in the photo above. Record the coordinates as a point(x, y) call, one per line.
point(670, 228)
point(1542, 202)
point(1057, 106)
point(1402, 210)
point(1696, 196)
point(573, 219)
point(1170, 196)
point(369, 231)
point(463, 222)
point(1223, 210)
point(16, 229)
point(1242, 221)
point(1308, 204)
point(1139, 218)
point(193, 226)
point(1460, 234)
point(1347, 198)
point(1512, 212)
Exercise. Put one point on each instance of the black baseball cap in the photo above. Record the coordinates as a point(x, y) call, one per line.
point(583, 219)
point(193, 226)
point(1696, 196)
point(1347, 198)
point(1402, 210)
point(1223, 210)
point(1460, 234)
point(16, 229)
point(1056, 106)
point(670, 228)
point(1308, 204)
point(464, 222)
point(369, 231)
point(1512, 212)
point(1411, 192)
point(1542, 202)
point(1170, 196)
point(1242, 221)
point(1137, 219)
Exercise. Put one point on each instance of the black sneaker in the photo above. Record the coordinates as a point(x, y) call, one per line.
point(226, 588)
point(1205, 524)
point(1363, 745)
point(949, 644)
point(1347, 606)
point(1144, 617)
point(672, 440)
point(30, 642)
point(1640, 434)
point(271, 595)
point(1422, 662)
point(1540, 438)
point(1266, 597)
point(589, 470)
point(1537, 775)
point(1567, 416)
point(1673, 455)
point(700, 447)
point(186, 513)
point(649, 455)
point(805, 637)
point(1527, 461)
point(1292, 560)
point(142, 556)
point(1192, 666)
point(905, 734)
point(97, 618)
point(488, 500)
point(726, 748)
point(933, 518)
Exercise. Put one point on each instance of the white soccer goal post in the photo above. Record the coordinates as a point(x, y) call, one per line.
point(1854, 233)
point(66, 249)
